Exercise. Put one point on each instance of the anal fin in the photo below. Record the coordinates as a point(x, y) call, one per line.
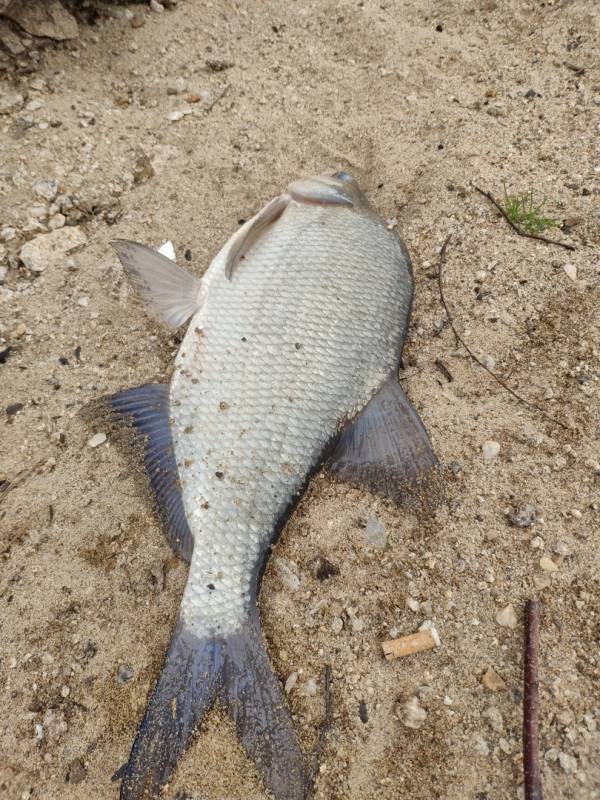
point(146, 409)
point(386, 448)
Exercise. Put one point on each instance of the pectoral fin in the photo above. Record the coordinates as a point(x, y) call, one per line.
point(386, 448)
point(170, 292)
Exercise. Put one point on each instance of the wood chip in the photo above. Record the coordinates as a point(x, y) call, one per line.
point(492, 681)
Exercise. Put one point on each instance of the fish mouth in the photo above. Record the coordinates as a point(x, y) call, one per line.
point(339, 189)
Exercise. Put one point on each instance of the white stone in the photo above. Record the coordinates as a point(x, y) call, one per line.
point(507, 617)
point(490, 450)
point(50, 249)
point(412, 603)
point(494, 717)
point(46, 188)
point(97, 439)
point(570, 271)
point(57, 221)
point(480, 745)
point(547, 564)
point(11, 102)
point(291, 682)
point(567, 762)
point(287, 575)
point(414, 714)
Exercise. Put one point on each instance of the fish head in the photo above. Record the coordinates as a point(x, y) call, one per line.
point(340, 189)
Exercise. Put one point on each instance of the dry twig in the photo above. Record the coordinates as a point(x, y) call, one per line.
point(218, 98)
point(532, 406)
point(531, 702)
point(324, 728)
point(516, 228)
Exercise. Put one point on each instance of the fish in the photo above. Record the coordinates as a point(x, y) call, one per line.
point(290, 362)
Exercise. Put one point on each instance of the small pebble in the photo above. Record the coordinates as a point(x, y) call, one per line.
point(175, 116)
point(375, 534)
point(287, 574)
point(65, 691)
point(488, 361)
point(138, 20)
point(97, 440)
point(570, 271)
point(56, 221)
point(77, 771)
point(291, 682)
point(507, 617)
point(414, 714)
point(10, 102)
point(362, 712)
point(413, 604)
point(492, 681)
point(562, 549)
point(124, 673)
point(337, 625)
point(494, 717)
point(541, 582)
point(50, 249)
point(46, 188)
point(490, 450)
point(567, 762)
point(311, 687)
point(524, 517)
point(158, 8)
point(537, 543)
point(178, 86)
point(547, 564)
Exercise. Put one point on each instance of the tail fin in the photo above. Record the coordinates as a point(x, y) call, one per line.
point(253, 696)
point(185, 691)
point(195, 673)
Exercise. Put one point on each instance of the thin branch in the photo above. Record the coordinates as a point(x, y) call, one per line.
point(531, 703)
point(532, 406)
point(516, 228)
point(324, 729)
point(218, 98)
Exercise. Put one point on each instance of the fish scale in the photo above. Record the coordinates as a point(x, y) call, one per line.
point(285, 293)
point(292, 351)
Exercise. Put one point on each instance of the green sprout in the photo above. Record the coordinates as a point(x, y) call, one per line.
point(524, 212)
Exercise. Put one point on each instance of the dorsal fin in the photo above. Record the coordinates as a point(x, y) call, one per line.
point(170, 292)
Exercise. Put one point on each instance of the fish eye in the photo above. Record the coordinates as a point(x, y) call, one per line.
point(343, 176)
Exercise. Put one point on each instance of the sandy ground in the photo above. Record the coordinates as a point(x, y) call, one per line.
point(420, 100)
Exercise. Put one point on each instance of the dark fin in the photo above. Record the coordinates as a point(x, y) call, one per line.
point(146, 408)
point(386, 448)
point(168, 290)
point(253, 696)
point(195, 670)
point(185, 691)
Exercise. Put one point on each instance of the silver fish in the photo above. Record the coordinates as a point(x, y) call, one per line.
point(291, 354)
